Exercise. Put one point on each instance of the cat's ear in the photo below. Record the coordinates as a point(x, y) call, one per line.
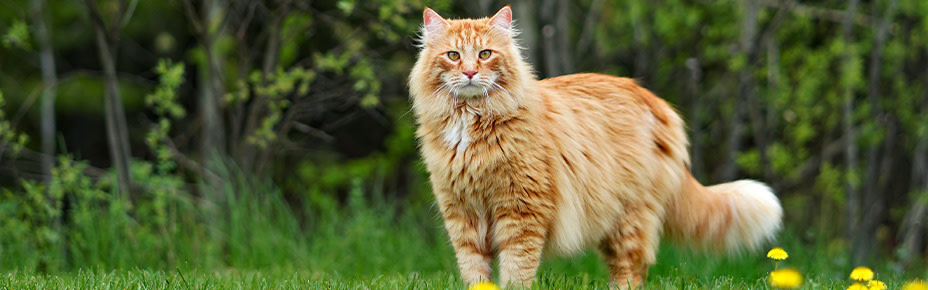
point(432, 25)
point(503, 19)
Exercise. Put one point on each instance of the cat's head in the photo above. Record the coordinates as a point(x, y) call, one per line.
point(469, 60)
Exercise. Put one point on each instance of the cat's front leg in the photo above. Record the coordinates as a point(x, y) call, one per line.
point(520, 231)
point(467, 229)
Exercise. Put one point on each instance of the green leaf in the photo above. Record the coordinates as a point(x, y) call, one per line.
point(17, 36)
point(346, 6)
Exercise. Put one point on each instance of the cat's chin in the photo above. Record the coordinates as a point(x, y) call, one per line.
point(470, 91)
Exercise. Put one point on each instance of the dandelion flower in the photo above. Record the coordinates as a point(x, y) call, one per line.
point(484, 286)
point(857, 286)
point(862, 274)
point(915, 285)
point(876, 285)
point(777, 254)
point(785, 279)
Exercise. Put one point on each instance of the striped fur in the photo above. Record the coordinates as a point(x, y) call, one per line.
point(521, 167)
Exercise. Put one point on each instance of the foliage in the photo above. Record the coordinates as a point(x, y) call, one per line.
point(17, 36)
point(165, 228)
point(164, 102)
point(9, 137)
point(279, 134)
point(274, 89)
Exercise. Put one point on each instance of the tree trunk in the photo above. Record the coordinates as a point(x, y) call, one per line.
point(552, 64)
point(756, 107)
point(857, 237)
point(257, 157)
point(213, 132)
point(564, 43)
point(913, 237)
point(746, 87)
point(49, 93)
point(115, 116)
point(874, 202)
point(694, 91)
point(525, 12)
point(914, 226)
point(773, 80)
point(50, 84)
point(588, 32)
point(273, 44)
point(641, 46)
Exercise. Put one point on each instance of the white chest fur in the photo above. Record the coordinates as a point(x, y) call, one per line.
point(457, 133)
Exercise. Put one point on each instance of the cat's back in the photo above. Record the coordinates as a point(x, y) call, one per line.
point(605, 92)
point(590, 82)
point(613, 113)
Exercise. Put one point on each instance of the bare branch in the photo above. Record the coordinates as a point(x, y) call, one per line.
point(313, 132)
point(188, 163)
point(191, 15)
point(342, 121)
point(128, 13)
point(247, 20)
point(95, 17)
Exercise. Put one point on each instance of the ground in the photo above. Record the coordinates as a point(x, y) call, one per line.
point(681, 270)
point(280, 280)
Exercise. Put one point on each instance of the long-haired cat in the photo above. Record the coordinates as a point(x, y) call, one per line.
point(523, 167)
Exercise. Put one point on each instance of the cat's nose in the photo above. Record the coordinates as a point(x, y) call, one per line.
point(470, 73)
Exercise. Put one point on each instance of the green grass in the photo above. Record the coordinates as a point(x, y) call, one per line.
point(231, 279)
point(676, 269)
point(261, 240)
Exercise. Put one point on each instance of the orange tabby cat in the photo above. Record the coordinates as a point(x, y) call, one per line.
point(522, 167)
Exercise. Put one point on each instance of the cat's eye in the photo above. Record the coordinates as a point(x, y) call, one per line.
point(453, 55)
point(485, 54)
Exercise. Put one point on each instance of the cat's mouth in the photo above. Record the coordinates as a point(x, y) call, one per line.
point(471, 89)
point(466, 88)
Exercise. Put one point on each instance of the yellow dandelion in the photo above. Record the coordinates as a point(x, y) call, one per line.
point(777, 254)
point(785, 279)
point(857, 286)
point(876, 285)
point(915, 285)
point(484, 286)
point(862, 274)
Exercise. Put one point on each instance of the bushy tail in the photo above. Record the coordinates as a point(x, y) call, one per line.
point(730, 216)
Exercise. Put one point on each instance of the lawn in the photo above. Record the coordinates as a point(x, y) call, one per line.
point(677, 269)
point(231, 279)
point(363, 243)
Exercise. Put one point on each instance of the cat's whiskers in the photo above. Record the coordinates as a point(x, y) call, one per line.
point(486, 93)
point(500, 87)
point(505, 90)
point(438, 90)
point(518, 101)
point(454, 104)
point(442, 86)
point(462, 87)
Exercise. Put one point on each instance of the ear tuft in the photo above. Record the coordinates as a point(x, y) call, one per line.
point(433, 24)
point(503, 19)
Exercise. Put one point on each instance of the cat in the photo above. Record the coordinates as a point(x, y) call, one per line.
point(524, 168)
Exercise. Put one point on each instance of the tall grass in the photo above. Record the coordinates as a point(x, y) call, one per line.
point(255, 227)
point(252, 227)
